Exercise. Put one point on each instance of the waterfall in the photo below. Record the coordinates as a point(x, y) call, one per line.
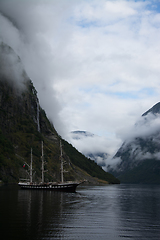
point(38, 125)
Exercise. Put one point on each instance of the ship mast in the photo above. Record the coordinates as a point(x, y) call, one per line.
point(31, 168)
point(61, 158)
point(42, 165)
point(30, 171)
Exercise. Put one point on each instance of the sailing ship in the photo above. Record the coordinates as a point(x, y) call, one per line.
point(54, 186)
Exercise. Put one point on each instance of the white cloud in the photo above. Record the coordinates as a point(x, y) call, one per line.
point(145, 126)
point(94, 63)
point(11, 68)
point(92, 143)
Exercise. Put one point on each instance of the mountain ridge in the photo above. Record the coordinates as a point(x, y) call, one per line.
point(24, 125)
point(94, 152)
point(139, 157)
point(155, 109)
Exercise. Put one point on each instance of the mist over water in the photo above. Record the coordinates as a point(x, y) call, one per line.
point(103, 212)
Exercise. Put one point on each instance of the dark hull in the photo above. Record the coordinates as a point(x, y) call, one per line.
point(66, 187)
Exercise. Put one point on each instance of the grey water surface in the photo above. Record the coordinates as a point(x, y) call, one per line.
point(111, 212)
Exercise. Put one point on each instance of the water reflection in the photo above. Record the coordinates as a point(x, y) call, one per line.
point(108, 212)
point(27, 214)
point(139, 211)
point(43, 209)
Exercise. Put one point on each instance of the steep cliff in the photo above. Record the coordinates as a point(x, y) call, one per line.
point(139, 155)
point(24, 125)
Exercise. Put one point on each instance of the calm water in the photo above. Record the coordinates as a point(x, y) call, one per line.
point(106, 212)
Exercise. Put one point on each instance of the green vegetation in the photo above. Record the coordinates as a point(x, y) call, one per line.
point(19, 109)
point(8, 161)
point(87, 165)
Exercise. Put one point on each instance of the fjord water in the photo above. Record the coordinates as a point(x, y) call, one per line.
point(111, 212)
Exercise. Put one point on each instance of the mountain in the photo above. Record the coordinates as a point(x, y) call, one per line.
point(24, 125)
point(80, 134)
point(91, 145)
point(139, 157)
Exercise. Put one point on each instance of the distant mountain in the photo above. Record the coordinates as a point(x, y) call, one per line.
point(24, 125)
point(139, 157)
point(99, 157)
point(80, 134)
point(90, 150)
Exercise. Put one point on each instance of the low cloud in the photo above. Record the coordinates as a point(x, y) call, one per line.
point(11, 68)
point(95, 147)
point(144, 127)
point(112, 163)
point(91, 143)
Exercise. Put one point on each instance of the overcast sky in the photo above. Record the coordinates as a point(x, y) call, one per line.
point(94, 63)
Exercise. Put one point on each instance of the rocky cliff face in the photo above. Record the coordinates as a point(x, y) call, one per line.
point(24, 125)
point(18, 97)
point(139, 156)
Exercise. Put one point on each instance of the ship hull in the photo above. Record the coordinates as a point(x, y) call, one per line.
point(64, 187)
